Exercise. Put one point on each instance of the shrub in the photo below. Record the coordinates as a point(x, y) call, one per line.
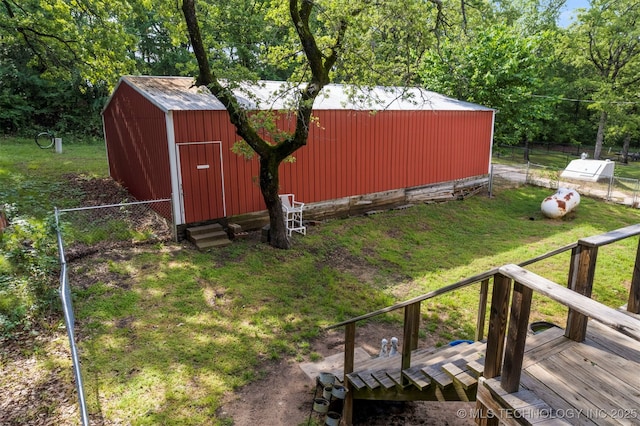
point(27, 273)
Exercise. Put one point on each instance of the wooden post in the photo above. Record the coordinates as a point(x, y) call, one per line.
point(581, 273)
point(349, 356)
point(482, 309)
point(497, 326)
point(633, 305)
point(516, 338)
point(410, 337)
point(495, 342)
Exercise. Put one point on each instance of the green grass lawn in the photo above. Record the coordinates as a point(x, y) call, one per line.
point(165, 331)
point(33, 179)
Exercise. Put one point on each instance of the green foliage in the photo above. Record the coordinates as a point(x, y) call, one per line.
point(500, 68)
point(32, 181)
point(27, 284)
point(605, 42)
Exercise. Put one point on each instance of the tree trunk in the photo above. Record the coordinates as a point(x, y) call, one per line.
point(625, 148)
point(526, 148)
point(600, 136)
point(269, 186)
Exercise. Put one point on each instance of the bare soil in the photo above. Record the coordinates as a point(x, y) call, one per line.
point(285, 395)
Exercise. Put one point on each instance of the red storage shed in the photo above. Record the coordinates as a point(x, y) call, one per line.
point(167, 138)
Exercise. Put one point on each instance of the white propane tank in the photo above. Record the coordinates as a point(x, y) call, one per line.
point(560, 203)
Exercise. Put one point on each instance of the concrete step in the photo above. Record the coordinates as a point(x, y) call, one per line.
point(203, 245)
point(204, 229)
point(216, 235)
point(208, 236)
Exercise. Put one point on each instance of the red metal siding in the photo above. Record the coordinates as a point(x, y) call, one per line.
point(136, 138)
point(242, 193)
point(348, 153)
point(353, 153)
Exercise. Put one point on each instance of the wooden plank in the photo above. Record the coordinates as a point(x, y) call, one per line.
point(460, 375)
point(546, 350)
point(609, 339)
point(368, 379)
point(416, 377)
point(497, 325)
point(477, 366)
point(383, 378)
point(568, 389)
point(593, 368)
point(516, 337)
point(591, 396)
point(606, 315)
point(355, 380)
point(612, 236)
point(617, 366)
point(557, 402)
point(440, 376)
point(524, 405)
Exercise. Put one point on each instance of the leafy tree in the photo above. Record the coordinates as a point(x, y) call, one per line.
point(61, 57)
point(317, 42)
point(498, 67)
point(608, 38)
point(321, 56)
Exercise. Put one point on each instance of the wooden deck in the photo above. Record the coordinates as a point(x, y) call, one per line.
point(586, 373)
point(594, 382)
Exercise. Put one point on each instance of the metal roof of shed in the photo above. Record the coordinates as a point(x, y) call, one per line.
point(180, 94)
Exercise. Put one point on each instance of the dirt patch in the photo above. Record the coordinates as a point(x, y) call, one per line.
point(284, 396)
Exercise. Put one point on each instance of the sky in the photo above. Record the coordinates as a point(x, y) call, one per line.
point(568, 11)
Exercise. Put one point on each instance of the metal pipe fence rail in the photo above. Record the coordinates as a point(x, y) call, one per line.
point(137, 220)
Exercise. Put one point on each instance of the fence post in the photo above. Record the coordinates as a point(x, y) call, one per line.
point(349, 356)
point(581, 273)
point(610, 188)
point(497, 326)
point(516, 338)
point(633, 304)
point(482, 309)
point(411, 330)
point(491, 180)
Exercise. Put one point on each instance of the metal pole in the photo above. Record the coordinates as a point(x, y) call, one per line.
point(491, 181)
point(69, 319)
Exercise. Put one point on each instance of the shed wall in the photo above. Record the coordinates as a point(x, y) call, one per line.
point(136, 138)
point(353, 152)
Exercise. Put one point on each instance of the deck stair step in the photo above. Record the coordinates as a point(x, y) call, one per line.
point(444, 368)
point(208, 236)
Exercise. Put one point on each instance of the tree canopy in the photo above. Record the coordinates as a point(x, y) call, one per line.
point(575, 85)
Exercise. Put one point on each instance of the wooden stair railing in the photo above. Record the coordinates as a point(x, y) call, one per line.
point(505, 348)
point(580, 280)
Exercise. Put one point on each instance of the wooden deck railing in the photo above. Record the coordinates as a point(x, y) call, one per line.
point(525, 283)
point(580, 280)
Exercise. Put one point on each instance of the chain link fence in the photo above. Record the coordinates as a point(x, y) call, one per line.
point(85, 230)
point(615, 189)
